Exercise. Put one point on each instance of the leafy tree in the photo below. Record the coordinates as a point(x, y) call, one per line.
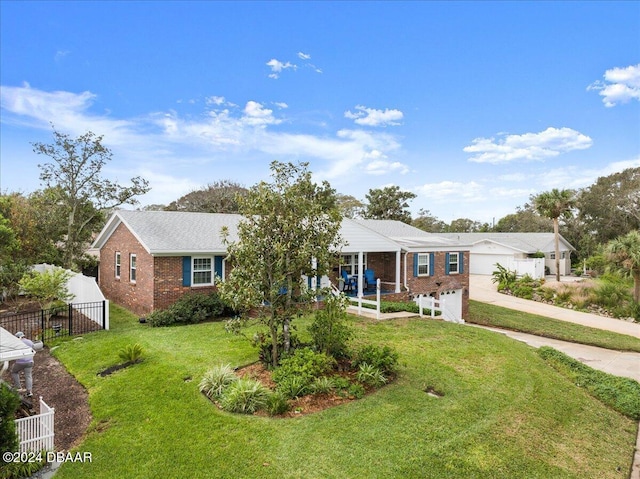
point(290, 228)
point(389, 203)
point(524, 220)
point(74, 178)
point(349, 206)
point(218, 197)
point(611, 206)
point(625, 251)
point(427, 222)
point(465, 225)
point(555, 204)
point(46, 287)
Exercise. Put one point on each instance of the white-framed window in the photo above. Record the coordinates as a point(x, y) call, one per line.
point(423, 264)
point(202, 271)
point(118, 264)
point(454, 267)
point(349, 263)
point(132, 267)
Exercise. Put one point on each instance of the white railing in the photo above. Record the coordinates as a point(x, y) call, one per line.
point(36, 433)
point(436, 305)
point(359, 301)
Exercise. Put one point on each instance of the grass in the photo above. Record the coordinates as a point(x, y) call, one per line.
point(504, 413)
point(621, 394)
point(498, 317)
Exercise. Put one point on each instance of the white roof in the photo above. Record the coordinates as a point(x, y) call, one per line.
point(523, 242)
point(179, 232)
point(174, 232)
point(11, 348)
point(411, 238)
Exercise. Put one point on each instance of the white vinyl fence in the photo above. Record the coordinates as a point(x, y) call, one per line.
point(37, 432)
point(449, 314)
point(356, 307)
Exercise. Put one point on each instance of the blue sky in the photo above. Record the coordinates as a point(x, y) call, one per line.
point(473, 106)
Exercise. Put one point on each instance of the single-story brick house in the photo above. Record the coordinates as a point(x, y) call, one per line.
point(148, 259)
point(516, 252)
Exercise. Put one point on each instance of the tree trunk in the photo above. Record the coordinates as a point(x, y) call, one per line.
point(556, 240)
point(274, 342)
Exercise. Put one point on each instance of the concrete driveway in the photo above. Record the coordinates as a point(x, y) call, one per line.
point(625, 364)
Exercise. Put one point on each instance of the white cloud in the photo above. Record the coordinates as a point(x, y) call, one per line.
point(215, 100)
point(304, 56)
point(257, 115)
point(61, 54)
point(445, 191)
point(620, 85)
point(277, 67)
point(529, 146)
point(173, 145)
point(281, 105)
point(372, 117)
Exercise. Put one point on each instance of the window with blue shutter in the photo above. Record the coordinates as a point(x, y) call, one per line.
point(415, 264)
point(431, 262)
point(217, 268)
point(186, 271)
point(461, 262)
point(446, 263)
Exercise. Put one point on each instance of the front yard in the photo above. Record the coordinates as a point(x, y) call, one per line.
point(504, 413)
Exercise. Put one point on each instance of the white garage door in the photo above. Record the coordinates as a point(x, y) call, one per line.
point(486, 263)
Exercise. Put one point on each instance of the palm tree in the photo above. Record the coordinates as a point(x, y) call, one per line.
point(555, 204)
point(625, 251)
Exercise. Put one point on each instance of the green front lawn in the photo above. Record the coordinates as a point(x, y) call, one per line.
point(498, 317)
point(504, 413)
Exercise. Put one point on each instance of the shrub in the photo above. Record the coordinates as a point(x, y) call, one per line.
point(264, 345)
point(9, 403)
point(329, 331)
point(381, 357)
point(216, 380)
point(131, 353)
point(190, 308)
point(523, 291)
point(609, 294)
point(621, 394)
point(503, 277)
point(293, 387)
point(277, 404)
point(244, 396)
point(356, 391)
point(322, 385)
point(306, 364)
point(341, 383)
point(370, 375)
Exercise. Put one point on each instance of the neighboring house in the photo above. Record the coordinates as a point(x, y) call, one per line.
point(515, 251)
point(148, 259)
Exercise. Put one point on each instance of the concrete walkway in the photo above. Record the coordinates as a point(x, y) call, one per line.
point(482, 289)
point(625, 364)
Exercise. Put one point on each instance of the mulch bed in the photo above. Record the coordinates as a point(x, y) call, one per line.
point(61, 391)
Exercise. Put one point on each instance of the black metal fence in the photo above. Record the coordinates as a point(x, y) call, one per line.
point(47, 324)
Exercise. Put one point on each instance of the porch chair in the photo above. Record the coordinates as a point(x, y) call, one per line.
point(369, 280)
point(350, 283)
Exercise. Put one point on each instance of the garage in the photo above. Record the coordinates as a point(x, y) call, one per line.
point(486, 263)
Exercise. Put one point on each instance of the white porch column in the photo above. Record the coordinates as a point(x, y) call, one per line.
point(360, 272)
point(398, 257)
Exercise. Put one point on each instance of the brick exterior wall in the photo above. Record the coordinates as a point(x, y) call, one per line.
point(158, 279)
point(168, 282)
point(138, 296)
point(440, 281)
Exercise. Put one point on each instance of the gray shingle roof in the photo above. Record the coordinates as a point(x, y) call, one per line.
point(410, 237)
point(525, 242)
point(179, 231)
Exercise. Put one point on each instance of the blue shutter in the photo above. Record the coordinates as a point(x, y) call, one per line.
point(446, 263)
point(217, 266)
point(415, 264)
point(461, 262)
point(431, 261)
point(186, 271)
